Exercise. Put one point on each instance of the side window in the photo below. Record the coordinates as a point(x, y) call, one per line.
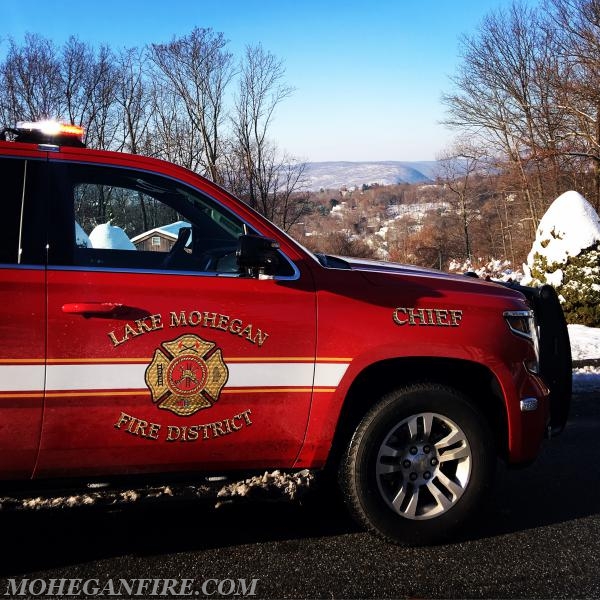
point(23, 241)
point(137, 220)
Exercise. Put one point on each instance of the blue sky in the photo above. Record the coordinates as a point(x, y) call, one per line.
point(368, 76)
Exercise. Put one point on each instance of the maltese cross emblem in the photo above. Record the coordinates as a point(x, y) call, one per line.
point(186, 375)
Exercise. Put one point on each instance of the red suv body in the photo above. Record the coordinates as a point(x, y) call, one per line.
point(152, 323)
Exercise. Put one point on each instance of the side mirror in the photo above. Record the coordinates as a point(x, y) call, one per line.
point(257, 255)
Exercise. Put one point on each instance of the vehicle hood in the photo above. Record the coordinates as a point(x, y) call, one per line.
point(364, 264)
point(380, 273)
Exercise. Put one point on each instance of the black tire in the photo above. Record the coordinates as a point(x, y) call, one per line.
point(419, 464)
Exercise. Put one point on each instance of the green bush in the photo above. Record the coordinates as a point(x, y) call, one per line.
point(566, 254)
point(579, 287)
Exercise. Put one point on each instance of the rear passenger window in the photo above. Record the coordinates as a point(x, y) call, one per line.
point(12, 176)
point(22, 239)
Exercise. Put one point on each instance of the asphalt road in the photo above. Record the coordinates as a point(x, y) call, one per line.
point(539, 538)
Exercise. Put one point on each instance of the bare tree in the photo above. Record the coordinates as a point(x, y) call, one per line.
point(271, 182)
point(166, 100)
point(458, 165)
point(88, 92)
point(260, 90)
point(132, 96)
point(502, 95)
point(340, 243)
point(30, 79)
point(293, 201)
point(577, 23)
point(198, 68)
point(76, 84)
point(435, 243)
point(172, 138)
point(76, 66)
point(102, 119)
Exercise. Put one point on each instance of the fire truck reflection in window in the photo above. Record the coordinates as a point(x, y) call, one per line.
point(127, 219)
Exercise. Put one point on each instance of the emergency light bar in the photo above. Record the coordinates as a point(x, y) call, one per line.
point(48, 132)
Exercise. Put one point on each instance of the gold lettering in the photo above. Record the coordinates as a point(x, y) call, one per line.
point(210, 319)
point(173, 433)
point(178, 321)
point(247, 332)
point(397, 318)
point(130, 331)
point(156, 322)
point(223, 322)
point(246, 414)
point(455, 317)
point(153, 431)
point(142, 326)
point(114, 340)
point(132, 424)
point(217, 428)
point(441, 317)
point(412, 316)
point(184, 433)
point(195, 318)
point(260, 337)
point(192, 433)
point(122, 420)
point(235, 326)
point(140, 428)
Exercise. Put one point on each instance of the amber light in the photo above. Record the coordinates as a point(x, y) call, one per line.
point(52, 128)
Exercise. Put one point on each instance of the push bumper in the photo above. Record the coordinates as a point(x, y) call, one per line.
point(556, 368)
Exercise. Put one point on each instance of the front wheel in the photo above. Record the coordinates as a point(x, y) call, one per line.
point(419, 463)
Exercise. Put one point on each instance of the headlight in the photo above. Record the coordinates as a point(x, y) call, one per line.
point(522, 323)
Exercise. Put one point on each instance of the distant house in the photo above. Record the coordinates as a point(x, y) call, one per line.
point(159, 239)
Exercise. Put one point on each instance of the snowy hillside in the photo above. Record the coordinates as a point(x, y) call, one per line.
point(335, 175)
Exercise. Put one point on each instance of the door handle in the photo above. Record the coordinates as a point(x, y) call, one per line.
point(91, 308)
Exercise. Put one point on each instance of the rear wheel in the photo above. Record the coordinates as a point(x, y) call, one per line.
point(418, 465)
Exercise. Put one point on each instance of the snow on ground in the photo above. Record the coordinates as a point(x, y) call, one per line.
point(274, 484)
point(586, 379)
point(585, 342)
point(585, 345)
point(497, 270)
